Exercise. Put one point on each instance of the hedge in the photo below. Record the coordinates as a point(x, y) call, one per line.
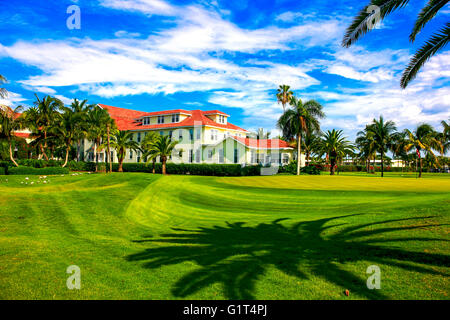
point(2, 171)
point(194, 169)
point(37, 171)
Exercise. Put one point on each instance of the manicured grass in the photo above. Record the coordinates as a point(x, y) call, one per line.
point(144, 236)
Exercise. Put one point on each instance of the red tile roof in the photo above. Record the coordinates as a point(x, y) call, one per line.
point(127, 119)
point(22, 135)
point(263, 143)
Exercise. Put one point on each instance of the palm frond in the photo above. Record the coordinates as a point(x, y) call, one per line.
point(426, 14)
point(431, 47)
point(361, 23)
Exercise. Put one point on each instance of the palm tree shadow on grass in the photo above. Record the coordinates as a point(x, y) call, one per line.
point(237, 256)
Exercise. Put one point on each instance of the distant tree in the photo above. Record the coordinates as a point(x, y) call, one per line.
point(424, 138)
point(98, 120)
point(147, 147)
point(121, 141)
point(10, 121)
point(366, 145)
point(163, 148)
point(284, 95)
point(383, 135)
point(298, 120)
point(66, 129)
point(335, 146)
point(368, 17)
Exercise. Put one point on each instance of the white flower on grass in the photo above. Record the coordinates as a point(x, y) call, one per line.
point(45, 181)
point(32, 182)
point(26, 178)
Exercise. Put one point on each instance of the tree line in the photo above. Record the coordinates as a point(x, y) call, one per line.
point(300, 124)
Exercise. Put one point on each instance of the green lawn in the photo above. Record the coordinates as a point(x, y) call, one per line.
point(143, 236)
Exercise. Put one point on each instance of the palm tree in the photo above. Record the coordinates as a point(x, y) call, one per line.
point(98, 119)
point(424, 138)
point(45, 117)
point(121, 141)
point(10, 121)
point(3, 91)
point(366, 145)
point(383, 135)
point(335, 146)
point(398, 146)
point(66, 126)
point(367, 19)
point(81, 108)
point(311, 143)
point(146, 146)
point(163, 148)
point(298, 120)
point(445, 136)
point(284, 95)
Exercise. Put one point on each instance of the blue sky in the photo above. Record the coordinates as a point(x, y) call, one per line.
point(229, 55)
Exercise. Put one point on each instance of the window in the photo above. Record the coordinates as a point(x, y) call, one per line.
point(285, 158)
point(236, 155)
point(161, 133)
point(138, 155)
point(210, 154)
point(160, 119)
point(131, 154)
point(131, 137)
point(180, 135)
point(145, 134)
point(221, 157)
point(213, 135)
point(197, 155)
point(170, 134)
point(252, 157)
point(191, 134)
point(175, 118)
point(191, 156)
point(139, 137)
point(146, 121)
point(199, 134)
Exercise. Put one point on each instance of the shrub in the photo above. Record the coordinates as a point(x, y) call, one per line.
point(2, 171)
point(310, 170)
point(37, 171)
point(193, 169)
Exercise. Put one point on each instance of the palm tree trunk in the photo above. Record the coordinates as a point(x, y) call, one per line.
point(109, 149)
point(43, 151)
point(332, 165)
point(299, 152)
point(121, 157)
point(420, 168)
point(382, 166)
point(154, 162)
point(164, 165)
point(11, 156)
point(67, 156)
point(96, 144)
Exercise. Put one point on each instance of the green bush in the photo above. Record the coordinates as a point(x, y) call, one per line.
point(2, 171)
point(310, 170)
point(37, 171)
point(193, 169)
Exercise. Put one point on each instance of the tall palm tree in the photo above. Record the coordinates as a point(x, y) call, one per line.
point(10, 121)
point(81, 108)
point(163, 148)
point(366, 145)
point(121, 141)
point(284, 95)
point(47, 109)
point(311, 142)
point(367, 19)
point(424, 138)
point(335, 146)
point(66, 126)
point(298, 120)
point(98, 119)
point(383, 135)
point(398, 146)
point(3, 91)
point(147, 147)
point(445, 136)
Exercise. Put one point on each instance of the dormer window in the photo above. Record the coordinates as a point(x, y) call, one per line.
point(146, 121)
point(175, 118)
point(221, 119)
point(160, 119)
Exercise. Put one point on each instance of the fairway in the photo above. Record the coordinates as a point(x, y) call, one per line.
point(144, 236)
